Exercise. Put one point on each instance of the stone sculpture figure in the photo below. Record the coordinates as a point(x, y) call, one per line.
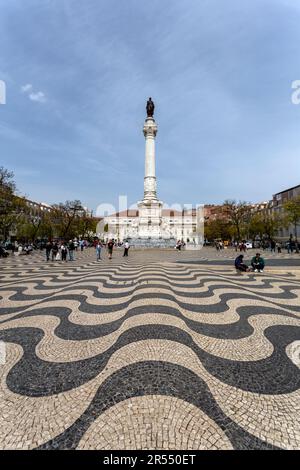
point(150, 107)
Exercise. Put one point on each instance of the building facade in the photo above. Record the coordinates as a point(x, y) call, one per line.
point(277, 207)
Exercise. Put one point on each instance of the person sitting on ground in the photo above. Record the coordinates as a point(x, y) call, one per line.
point(258, 263)
point(239, 263)
point(3, 252)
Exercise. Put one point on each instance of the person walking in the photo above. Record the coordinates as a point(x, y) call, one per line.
point(126, 248)
point(258, 263)
point(64, 251)
point(81, 243)
point(54, 251)
point(98, 250)
point(273, 246)
point(48, 250)
point(178, 245)
point(110, 247)
point(290, 245)
point(71, 248)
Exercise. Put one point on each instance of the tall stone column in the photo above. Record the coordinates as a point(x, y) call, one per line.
point(150, 131)
point(150, 208)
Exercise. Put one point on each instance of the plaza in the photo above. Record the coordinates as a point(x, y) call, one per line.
point(160, 350)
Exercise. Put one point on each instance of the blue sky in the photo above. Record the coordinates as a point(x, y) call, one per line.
point(78, 75)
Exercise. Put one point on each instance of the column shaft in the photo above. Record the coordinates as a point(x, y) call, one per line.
point(150, 156)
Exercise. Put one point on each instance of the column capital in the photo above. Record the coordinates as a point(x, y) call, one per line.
point(150, 127)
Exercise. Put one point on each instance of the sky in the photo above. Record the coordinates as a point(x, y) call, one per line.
point(78, 75)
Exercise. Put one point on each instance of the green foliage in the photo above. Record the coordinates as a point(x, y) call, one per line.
point(265, 224)
point(66, 220)
point(292, 210)
point(13, 209)
point(218, 228)
point(69, 220)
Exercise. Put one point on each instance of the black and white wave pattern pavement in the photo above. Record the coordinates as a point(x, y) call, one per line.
point(148, 353)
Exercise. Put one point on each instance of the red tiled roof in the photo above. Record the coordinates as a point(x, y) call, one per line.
point(126, 213)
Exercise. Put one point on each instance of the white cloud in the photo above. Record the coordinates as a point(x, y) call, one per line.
point(26, 88)
point(39, 96)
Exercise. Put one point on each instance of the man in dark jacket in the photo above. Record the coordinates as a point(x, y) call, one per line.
point(54, 251)
point(239, 264)
point(3, 252)
point(48, 249)
point(71, 248)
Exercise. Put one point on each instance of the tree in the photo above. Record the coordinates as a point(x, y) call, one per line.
point(86, 225)
point(6, 181)
point(238, 213)
point(265, 224)
point(292, 210)
point(64, 216)
point(70, 220)
point(13, 209)
point(35, 226)
point(218, 228)
point(46, 228)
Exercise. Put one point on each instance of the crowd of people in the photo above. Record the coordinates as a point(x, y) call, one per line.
point(110, 246)
point(60, 250)
point(63, 251)
point(274, 246)
point(16, 248)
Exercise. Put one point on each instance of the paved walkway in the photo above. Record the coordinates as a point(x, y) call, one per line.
point(149, 352)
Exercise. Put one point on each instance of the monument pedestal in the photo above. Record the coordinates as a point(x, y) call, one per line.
point(150, 218)
point(143, 242)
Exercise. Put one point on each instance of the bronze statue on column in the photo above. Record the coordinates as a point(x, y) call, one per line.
point(150, 108)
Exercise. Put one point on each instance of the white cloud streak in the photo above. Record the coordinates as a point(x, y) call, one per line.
point(26, 88)
point(38, 96)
